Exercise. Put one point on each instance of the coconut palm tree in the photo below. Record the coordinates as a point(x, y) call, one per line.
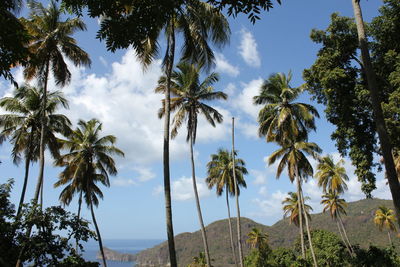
point(220, 175)
point(22, 126)
point(256, 238)
point(282, 118)
point(51, 42)
point(87, 163)
point(293, 156)
point(385, 218)
point(199, 23)
point(189, 100)
point(336, 207)
point(331, 176)
point(384, 139)
point(291, 208)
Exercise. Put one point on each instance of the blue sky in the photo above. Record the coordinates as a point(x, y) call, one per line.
point(116, 91)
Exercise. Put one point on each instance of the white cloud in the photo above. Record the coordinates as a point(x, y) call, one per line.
point(122, 182)
point(182, 189)
point(248, 49)
point(230, 89)
point(244, 100)
point(157, 190)
point(103, 61)
point(145, 174)
point(223, 66)
point(260, 177)
point(270, 207)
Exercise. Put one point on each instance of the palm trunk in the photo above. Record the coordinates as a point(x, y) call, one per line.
point(167, 185)
point(308, 229)
point(21, 200)
point(384, 140)
point(98, 236)
point(39, 185)
point(390, 239)
point(230, 226)
point(342, 237)
point(239, 232)
point(79, 217)
point(196, 195)
point(303, 250)
point(345, 233)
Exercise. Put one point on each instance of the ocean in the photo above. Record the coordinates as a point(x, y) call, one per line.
point(131, 246)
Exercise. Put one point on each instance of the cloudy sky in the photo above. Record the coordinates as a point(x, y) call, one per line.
point(120, 94)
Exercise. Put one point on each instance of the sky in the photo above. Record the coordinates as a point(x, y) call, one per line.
point(120, 94)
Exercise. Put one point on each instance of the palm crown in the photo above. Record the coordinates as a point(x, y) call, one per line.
point(291, 208)
point(385, 218)
point(334, 204)
point(331, 176)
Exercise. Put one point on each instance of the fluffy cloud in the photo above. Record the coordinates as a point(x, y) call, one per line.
point(122, 182)
point(182, 189)
point(223, 66)
point(248, 49)
point(244, 100)
point(260, 177)
point(270, 207)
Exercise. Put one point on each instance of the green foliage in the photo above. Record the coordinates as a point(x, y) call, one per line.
point(337, 80)
point(376, 257)
point(45, 246)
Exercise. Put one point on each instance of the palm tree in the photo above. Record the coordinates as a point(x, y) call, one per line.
point(385, 218)
point(282, 118)
point(331, 176)
point(291, 208)
point(188, 101)
point(220, 175)
point(22, 126)
point(336, 207)
point(87, 163)
point(199, 23)
point(51, 41)
point(299, 168)
point(256, 238)
point(384, 139)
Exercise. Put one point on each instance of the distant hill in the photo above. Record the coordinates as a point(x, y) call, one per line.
point(358, 222)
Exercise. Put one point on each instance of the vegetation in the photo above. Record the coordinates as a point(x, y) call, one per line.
point(384, 218)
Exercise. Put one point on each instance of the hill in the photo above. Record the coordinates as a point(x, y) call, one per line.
point(358, 222)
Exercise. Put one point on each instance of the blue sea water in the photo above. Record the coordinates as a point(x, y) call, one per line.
point(131, 246)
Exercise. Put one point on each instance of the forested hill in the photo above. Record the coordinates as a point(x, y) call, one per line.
point(358, 222)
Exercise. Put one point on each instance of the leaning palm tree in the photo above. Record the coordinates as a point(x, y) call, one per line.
point(282, 118)
point(87, 163)
point(336, 207)
point(199, 23)
point(385, 218)
point(189, 100)
point(331, 176)
point(22, 126)
point(220, 175)
point(51, 42)
point(256, 238)
point(293, 156)
point(291, 209)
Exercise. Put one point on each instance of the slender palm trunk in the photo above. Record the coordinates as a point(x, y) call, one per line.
point(167, 185)
point(384, 139)
point(342, 237)
point(239, 232)
point(303, 250)
point(308, 229)
point(39, 185)
point(230, 226)
point(345, 233)
point(196, 195)
point(79, 217)
point(98, 235)
point(390, 239)
point(21, 200)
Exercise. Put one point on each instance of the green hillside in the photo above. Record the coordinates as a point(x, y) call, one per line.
point(358, 222)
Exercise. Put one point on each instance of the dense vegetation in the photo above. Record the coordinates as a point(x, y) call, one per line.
point(355, 76)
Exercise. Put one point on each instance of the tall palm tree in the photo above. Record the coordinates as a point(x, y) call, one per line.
point(282, 118)
point(336, 207)
point(384, 139)
point(199, 23)
point(220, 175)
point(331, 176)
point(293, 156)
point(87, 163)
point(256, 238)
point(385, 218)
point(51, 41)
point(291, 209)
point(22, 126)
point(189, 100)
